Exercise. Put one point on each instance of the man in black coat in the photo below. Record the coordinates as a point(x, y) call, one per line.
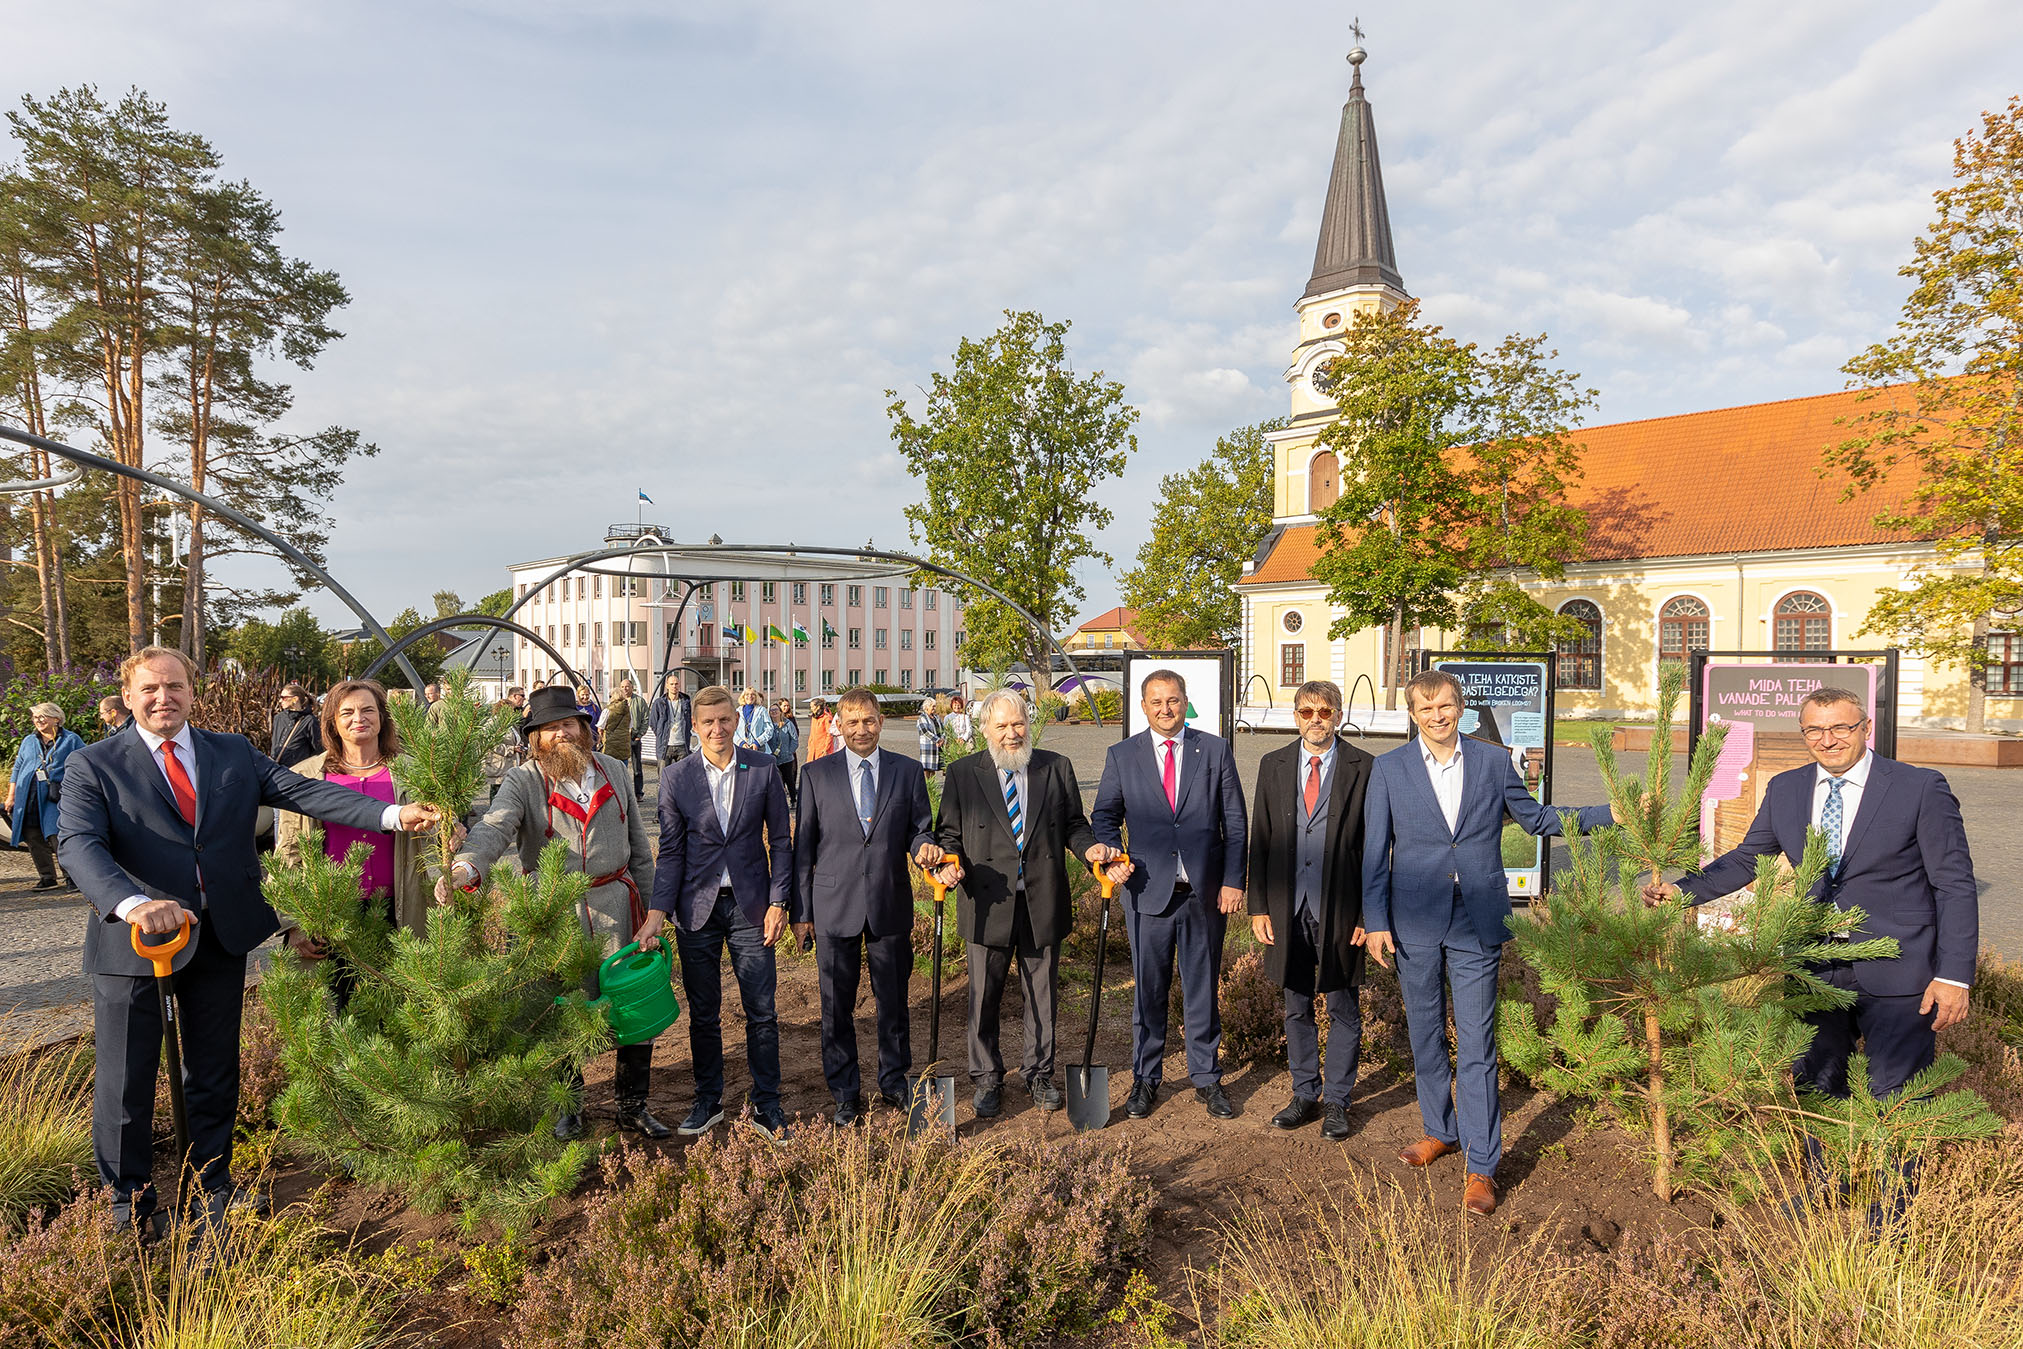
point(861, 813)
point(157, 829)
point(1010, 815)
point(1306, 901)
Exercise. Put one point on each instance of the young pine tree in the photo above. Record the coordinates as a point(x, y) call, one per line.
point(442, 1075)
point(1667, 1023)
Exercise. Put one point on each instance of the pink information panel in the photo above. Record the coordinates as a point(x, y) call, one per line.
point(1759, 706)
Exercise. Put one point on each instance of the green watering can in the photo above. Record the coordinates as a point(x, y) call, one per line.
point(637, 992)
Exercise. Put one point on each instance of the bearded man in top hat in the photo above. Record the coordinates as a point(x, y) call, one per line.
point(567, 791)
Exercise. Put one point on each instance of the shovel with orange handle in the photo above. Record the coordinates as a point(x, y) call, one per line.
point(1088, 1085)
point(162, 956)
point(930, 1095)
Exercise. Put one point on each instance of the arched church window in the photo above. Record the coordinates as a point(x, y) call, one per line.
point(1580, 661)
point(1683, 625)
point(1803, 621)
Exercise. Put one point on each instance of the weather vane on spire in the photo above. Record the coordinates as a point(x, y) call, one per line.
point(1356, 53)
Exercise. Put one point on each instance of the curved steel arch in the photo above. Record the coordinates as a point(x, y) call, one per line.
point(85, 459)
point(434, 626)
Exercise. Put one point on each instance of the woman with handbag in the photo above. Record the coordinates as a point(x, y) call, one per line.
point(36, 786)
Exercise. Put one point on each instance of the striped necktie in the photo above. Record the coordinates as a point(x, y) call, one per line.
point(1011, 808)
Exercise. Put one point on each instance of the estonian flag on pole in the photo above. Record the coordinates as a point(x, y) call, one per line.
point(644, 497)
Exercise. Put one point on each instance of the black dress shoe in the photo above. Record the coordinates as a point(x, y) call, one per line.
point(897, 1102)
point(1144, 1092)
point(1045, 1094)
point(1303, 1110)
point(569, 1127)
point(634, 1117)
point(47, 885)
point(149, 1226)
point(1217, 1101)
point(1336, 1126)
point(987, 1103)
point(848, 1112)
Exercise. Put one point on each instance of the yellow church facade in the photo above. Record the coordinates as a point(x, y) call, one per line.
point(1710, 530)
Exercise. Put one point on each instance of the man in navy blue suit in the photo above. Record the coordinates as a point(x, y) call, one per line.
point(861, 812)
point(156, 829)
point(1898, 852)
point(725, 875)
point(1434, 892)
point(1177, 791)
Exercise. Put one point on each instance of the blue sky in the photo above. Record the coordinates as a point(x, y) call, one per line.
point(599, 246)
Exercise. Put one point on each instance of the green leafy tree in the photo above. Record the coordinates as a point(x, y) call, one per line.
point(496, 603)
point(1454, 469)
point(1011, 446)
point(296, 645)
point(1942, 396)
point(1208, 523)
point(443, 1074)
point(426, 655)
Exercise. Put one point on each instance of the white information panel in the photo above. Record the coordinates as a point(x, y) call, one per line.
point(1207, 708)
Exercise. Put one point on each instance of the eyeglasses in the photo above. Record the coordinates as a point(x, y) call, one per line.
point(1313, 713)
point(1838, 731)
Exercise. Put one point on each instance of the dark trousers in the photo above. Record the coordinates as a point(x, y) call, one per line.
point(839, 961)
point(1039, 979)
point(1424, 976)
point(638, 769)
point(1899, 1042)
point(127, 1019)
point(790, 779)
point(701, 954)
point(41, 849)
point(1302, 1034)
point(1191, 934)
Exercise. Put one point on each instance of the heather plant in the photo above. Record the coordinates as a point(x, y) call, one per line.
point(66, 1277)
point(850, 1237)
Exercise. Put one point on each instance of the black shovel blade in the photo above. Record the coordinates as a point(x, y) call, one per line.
point(930, 1103)
point(1089, 1098)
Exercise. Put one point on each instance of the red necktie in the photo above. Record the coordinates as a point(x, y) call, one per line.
point(179, 783)
point(1169, 777)
point(1313, 792)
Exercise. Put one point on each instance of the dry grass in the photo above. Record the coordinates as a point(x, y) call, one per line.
point(45, 1131)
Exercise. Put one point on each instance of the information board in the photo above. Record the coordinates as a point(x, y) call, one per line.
point(1758, 703)
point(1210, 677)
point(1507, 702)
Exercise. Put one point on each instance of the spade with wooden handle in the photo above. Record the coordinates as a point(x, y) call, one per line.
point(162, 957)
point(1088, 1085)
point(930, 1094)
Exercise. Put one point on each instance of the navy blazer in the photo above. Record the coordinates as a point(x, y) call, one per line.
point(848, 883)
point(694, 849)
point(1207, 830)
point(1905, 865)
point(123, 836)
point(1410, 857)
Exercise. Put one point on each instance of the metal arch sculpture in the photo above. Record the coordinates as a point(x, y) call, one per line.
point(85, 459)
point(434, 626)
point(653, 544)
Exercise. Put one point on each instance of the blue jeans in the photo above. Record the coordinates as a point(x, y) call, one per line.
point(701, 954)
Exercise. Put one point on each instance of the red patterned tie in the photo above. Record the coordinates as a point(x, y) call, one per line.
point(1313, 792)
point(179, 783)
point(1169, 777)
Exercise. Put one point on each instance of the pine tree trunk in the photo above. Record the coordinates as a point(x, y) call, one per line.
point(1661, 1121)
point(193, 590)
point(47, 582)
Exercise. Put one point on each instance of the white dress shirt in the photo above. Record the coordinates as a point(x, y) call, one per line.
point(1446, 782)
point(1852, 783)
point(722, 783)
point(186, 755)
point(1178, 741)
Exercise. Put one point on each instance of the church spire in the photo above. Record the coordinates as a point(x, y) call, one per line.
point(1355, 245)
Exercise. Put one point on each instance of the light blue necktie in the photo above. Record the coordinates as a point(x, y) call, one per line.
point(1829, 824)
point(866, 796)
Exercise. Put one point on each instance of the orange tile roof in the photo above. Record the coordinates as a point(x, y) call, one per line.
point(1119, 619)
point(1734, 480)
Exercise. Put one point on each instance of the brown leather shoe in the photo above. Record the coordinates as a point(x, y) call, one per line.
point(1481, 1195)
point(1426, 1151)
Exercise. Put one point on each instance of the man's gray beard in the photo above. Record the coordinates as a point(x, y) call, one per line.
point(1012, 761)
point(563, 761)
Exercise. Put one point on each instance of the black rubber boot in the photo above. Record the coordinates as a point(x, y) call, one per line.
point(635, 1070)
point(570, 1125)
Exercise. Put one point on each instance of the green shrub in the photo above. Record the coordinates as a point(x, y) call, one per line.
point(45, 1131)
point(847, 1237)
point(76, 691)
